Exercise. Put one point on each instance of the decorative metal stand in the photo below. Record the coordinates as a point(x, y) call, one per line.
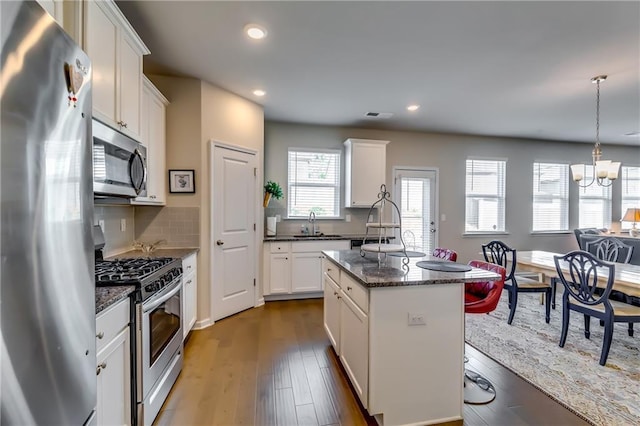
point(381, 248)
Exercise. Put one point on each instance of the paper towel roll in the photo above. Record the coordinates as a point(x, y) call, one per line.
point(271, 226)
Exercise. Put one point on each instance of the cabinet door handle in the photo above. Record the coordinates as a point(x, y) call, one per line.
point(124, 124)
point(339, 297)
point(329, 269)
point(100, 368)
point(153, 197)
point(335, 293)
point(189, 267)
point(349, 288)
point(219, 242)
point(189, 282)
point(100, 335)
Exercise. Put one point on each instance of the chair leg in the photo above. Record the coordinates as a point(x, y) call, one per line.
point(554, 285)
point(630, 329)
point(547, 313)
point(587, 326)
point(565, 322)
point(606, 343)
point(514, 303)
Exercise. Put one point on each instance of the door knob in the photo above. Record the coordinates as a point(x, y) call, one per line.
point(219, 242)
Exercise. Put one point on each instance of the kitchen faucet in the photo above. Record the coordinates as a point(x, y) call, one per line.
point(312, 220)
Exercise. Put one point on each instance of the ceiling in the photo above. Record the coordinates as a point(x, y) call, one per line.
point(514, 69)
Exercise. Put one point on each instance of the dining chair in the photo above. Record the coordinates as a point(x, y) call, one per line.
point(445, 253)
point(580, 295)
point(481, 298)
point(499, 253)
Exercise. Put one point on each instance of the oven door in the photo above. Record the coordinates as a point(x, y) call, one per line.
point(161, 332)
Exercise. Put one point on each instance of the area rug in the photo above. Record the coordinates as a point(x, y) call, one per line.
point(602, 395)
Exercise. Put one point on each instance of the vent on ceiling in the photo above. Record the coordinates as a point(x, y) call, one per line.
point(379, 115)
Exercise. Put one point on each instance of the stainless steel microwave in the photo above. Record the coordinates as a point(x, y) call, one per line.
point(119, 164)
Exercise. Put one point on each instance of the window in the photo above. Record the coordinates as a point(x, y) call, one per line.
point(630, 191)
point(594, 204)
point(484, 194)
point(314, 183)
point(550, 197)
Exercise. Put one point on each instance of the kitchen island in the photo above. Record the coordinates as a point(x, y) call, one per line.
point(399, 333)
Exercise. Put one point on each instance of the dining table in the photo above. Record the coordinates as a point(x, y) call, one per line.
point(626, 280)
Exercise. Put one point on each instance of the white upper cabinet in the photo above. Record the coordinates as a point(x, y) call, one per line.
point(116, 54)
point(54, 8)
point(153, 136)
point(365, 171)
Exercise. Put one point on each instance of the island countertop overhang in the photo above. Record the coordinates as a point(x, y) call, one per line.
point(367, 272)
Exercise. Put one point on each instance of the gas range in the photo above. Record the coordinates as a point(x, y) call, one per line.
point(149, 275)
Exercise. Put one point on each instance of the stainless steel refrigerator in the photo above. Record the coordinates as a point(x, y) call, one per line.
point(47, 293)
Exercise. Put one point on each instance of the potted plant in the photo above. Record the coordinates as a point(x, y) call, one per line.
point(271, 189)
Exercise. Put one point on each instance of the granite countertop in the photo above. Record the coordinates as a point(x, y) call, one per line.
point(107, 296)
point(161, 252)
point(321, 237)
point(366, 271)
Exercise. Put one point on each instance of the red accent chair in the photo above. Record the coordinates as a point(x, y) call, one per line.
point(481, 298)
point(445, 253)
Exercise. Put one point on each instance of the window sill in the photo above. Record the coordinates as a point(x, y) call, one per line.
point(484, 233)
point(306, 219)
point(550, 232)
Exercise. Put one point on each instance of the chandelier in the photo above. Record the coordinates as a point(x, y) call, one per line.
point(604, 172)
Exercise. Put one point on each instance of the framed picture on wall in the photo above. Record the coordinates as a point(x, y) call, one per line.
point(182, 181)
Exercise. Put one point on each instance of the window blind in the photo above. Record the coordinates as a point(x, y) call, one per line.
point(630, 192)
point(550, 197)
point(313, 183)
point(594, 204)
point(485, 193)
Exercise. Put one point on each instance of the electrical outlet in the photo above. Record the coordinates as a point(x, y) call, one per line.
point(101, 224)
point(347, 218)
point(443, 217)
point(278, 218)
point(370, 218)
point(416, 318)
point(123, 225)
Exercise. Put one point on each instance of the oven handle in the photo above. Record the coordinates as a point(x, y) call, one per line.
point(146, 308)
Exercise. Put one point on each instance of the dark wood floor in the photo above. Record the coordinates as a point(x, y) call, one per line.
point(273, 365)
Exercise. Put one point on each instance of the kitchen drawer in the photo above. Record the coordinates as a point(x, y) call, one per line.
point(355, 291)
point(312, 246)
point(331, 269)
point(189, 264)
point(110, 322)
point(280, 247)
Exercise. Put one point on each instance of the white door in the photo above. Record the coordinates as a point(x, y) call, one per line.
point(416, 193)
point(233, 234)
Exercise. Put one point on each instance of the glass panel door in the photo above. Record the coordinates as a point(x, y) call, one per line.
point(416, 195)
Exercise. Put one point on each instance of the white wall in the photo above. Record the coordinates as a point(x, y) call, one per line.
point(448, 153)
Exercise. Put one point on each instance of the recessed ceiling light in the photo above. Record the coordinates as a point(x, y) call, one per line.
point(259, 92)
point(255, 32)
point(413, 107)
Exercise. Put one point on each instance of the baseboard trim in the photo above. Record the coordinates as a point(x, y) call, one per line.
point(275, 297)
point(260, 302)
point(199, 325)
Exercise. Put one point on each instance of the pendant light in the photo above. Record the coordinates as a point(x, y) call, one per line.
point(604, 172)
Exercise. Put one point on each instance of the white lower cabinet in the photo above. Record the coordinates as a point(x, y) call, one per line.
point(354, 346)
point(113, 368)
point(189, 293)
point(296, 268)
point(332, 311)
point(347, 326)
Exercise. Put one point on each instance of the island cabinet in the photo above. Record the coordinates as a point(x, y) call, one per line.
point(116, 56)
point(294, 269)
point(113, 368)
point(365, 171)
point(399, 334)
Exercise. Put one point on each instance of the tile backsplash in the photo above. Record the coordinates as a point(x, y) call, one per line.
point(113, 218)
point(326, 226)
point(179, 226)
